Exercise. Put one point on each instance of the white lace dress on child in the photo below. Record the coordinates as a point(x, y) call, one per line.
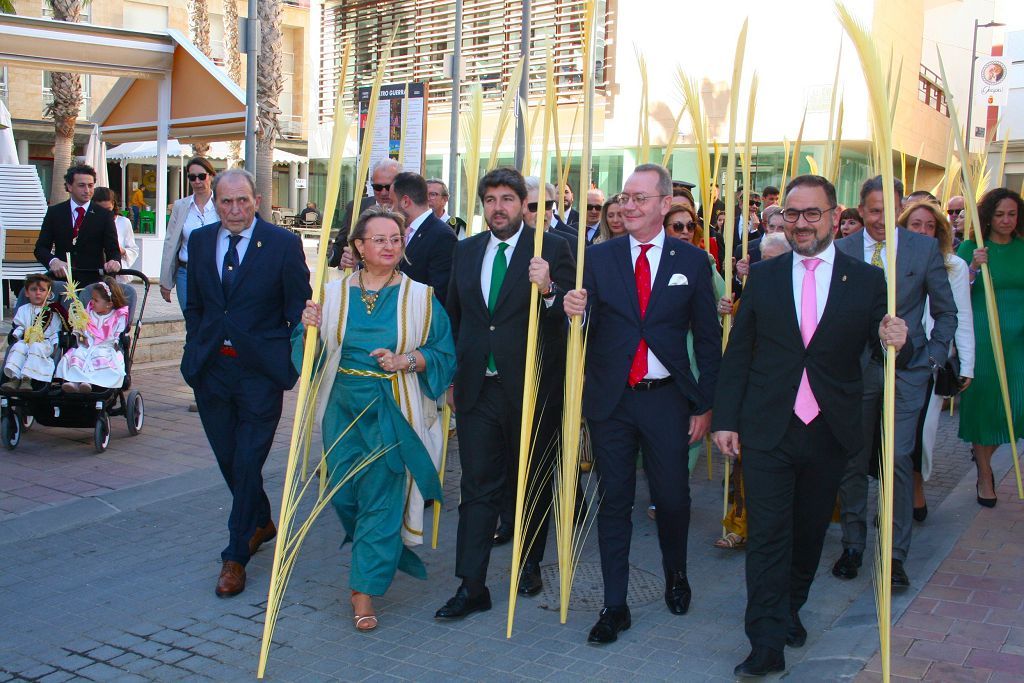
point(97, 361)
point(32, 360)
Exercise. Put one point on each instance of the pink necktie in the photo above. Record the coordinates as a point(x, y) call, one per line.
point(806, 407)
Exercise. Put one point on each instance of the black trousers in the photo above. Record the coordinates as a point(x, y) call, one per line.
point(657, 421)
point(240, 410)
point(489, 451)
point(791, 492)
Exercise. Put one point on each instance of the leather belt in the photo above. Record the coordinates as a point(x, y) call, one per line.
point(648, 384)
point(229, 351)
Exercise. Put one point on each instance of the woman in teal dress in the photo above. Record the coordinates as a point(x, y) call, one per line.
point(388, 348)
point(982, 416)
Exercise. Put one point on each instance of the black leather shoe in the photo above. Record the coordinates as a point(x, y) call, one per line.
point(503, 535)
point(796, 634)
point(612, 621)
point(677, 592)
point(900, 580)
point(462, 605)
point(921, 513)
point(848, 563)
point(760, 662)
point(530, 582)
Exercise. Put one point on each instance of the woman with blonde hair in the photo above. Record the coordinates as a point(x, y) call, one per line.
point(612, 222)
point(926, 218)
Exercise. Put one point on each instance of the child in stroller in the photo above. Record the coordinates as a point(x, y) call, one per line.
point(97, 361)
point(36, 327)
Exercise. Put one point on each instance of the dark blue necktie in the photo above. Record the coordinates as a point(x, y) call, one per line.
point(230, 266)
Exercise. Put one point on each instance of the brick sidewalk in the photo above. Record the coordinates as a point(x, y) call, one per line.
point(967, 623)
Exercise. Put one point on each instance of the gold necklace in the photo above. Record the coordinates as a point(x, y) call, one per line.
point(370, 300)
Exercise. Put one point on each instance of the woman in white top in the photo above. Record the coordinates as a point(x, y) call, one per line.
point(927, 218)
point(107, 198)
point(189, 213)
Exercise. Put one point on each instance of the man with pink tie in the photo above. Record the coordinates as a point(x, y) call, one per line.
point(789, 391)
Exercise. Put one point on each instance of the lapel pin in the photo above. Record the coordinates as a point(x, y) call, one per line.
point(844, 278)
point(258, 244)
point(672, 253)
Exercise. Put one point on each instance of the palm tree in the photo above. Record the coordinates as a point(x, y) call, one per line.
point(269, 84)
point(6, 7)
point(234, 62)
point(63, 108)
point(199, 33)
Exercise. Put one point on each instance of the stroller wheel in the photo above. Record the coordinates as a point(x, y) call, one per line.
point(101, 433)
point(10, 429)
point(134, 412)
point(27, 420)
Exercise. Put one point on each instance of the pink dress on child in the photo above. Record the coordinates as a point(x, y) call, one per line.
point(99, 363)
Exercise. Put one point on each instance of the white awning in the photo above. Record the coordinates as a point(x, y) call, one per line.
point(145, 152)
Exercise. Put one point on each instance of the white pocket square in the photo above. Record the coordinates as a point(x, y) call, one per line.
point(678, 279)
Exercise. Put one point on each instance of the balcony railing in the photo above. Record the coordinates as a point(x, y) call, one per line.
point(291, 126)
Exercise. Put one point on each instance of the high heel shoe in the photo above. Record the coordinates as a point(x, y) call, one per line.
point(987, 502)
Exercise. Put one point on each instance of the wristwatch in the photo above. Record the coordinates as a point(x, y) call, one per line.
point(551, 291)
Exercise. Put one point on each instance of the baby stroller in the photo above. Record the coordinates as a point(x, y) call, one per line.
point(49, 406)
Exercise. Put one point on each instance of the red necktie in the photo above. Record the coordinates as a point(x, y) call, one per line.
point(642, 273)
point(79, 217)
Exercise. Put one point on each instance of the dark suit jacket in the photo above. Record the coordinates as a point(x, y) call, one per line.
point(478, 333)
point(766, 357)
point(615, 327)
point(922, 278)
point(343, 225)
point(266, 302)
point(573, 218)
point(428, 257)
point(96, 244)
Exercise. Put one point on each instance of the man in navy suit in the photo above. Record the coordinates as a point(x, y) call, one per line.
point(80, 228)
point(429, 242)
point(641, 296)
point(251, 284)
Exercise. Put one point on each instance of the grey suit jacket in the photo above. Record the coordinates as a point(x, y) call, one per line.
point(921, 276)
point(172, 242)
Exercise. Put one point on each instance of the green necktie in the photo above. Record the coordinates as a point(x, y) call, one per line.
point(876, 258)
point(498, 268)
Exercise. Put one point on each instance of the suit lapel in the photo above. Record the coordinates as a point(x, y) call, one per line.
point(253, 254)
point(476, 256)
point(784, 284)
point(836, 294)
point(518, 265)
point(666, 266)
point(211, 262)
point(418, 239)
point(624, 258)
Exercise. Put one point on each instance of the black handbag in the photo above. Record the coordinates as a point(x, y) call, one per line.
point(947, 379)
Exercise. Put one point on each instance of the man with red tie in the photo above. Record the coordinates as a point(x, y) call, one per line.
point(641, 296)
point(789, 392)
point(80, 228)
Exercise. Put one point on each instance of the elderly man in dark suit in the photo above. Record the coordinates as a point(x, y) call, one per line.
point(80, 228)
point(920, 278)
point(489, 306)
point(789, 393)
point(382, 175)
point(248, 284)
point(641, 296)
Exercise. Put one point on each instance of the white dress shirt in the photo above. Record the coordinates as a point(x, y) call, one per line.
point(822, 280)
point(195, 218)
point(489, 254)
point(243, 245)
point(74, 207)
point(592, 232)
point(414, 226)
point(869, 248)
point(655, 368)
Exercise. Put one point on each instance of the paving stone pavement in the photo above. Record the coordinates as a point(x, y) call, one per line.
point(115, 581)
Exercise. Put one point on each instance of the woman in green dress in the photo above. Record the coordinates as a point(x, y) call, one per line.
point(388, 348)
point(982, 416)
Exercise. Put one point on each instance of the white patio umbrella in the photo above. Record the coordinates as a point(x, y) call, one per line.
point(96, 156)
point(8, 151)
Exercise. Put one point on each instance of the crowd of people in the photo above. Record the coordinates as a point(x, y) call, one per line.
point(426, 313)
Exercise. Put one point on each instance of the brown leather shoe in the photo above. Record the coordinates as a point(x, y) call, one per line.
point(261, 536)
point(231, 580)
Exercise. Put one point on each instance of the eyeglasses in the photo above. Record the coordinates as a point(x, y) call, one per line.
point(593, 207)
point(197, 176)
point(378, 187)
point(432, 195)
point(811, 215)
point(679, 226)
point(381, 242)
point(548, 204)
point(639, 199)
point(952, 212)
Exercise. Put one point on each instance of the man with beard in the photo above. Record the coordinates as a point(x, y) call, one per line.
point(789, 393)
point(489, 307)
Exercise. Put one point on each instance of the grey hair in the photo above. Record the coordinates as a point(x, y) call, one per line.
point(438, 181)
point(664, 179)
point(770, 211)
point(533, 183)
point(235, 173)
point(775, 240)
point(385, 163)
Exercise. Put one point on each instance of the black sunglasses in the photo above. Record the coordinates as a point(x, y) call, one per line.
point(377, 187)
point(593, 207)
point(197, 176)
point(532, 206)
point(680, 226)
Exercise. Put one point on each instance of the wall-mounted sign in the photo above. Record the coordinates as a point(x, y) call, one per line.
point(400, 125)
point(992, 81)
